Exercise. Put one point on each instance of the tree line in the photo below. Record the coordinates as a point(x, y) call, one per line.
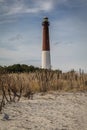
point(18, 68)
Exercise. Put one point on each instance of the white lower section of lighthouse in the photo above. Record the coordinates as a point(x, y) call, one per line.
point(46, 61)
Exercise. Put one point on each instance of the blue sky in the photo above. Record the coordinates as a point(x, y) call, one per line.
point(21, 32)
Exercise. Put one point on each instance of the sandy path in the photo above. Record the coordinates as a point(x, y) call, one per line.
point(65, 111)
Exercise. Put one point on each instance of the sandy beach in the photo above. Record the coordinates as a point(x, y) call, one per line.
point(52, 111)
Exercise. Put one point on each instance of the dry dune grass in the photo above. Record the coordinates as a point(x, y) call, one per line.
point(45, 81)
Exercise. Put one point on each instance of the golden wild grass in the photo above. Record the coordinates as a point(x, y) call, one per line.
point(43, 81)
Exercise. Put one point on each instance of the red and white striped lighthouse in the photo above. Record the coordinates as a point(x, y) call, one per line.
point(46, 60)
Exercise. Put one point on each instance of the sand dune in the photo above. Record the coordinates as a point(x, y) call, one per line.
point(53, 111)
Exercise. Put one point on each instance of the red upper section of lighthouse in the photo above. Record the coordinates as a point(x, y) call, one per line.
point(46, 44)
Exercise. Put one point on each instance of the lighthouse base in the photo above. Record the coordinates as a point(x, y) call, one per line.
point(46, 62)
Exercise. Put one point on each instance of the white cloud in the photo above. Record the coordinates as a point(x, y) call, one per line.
point(45, 5)
point(18, 7)
point(8, 7)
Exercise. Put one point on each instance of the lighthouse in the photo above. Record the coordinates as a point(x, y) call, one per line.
point(46, 60)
